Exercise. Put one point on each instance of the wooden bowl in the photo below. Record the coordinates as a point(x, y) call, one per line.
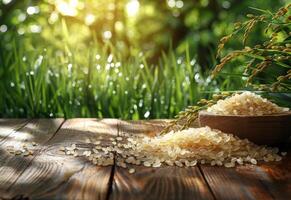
point(272, 130)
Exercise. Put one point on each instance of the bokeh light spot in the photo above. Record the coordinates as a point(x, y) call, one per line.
point(89, 19)
point(67, 8)
point(107, 35)
point(132, 8)
point(31, 10)
point(3, 28)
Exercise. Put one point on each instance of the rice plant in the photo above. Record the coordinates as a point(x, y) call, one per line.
point(273, 53)
point(267, 64)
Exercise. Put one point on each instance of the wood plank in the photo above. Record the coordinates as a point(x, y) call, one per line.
point(8, 126)
point(53, 175)
point(265, 181)
point(11, 166)
point(156, 183)
point(234, 183)
point(275, 176)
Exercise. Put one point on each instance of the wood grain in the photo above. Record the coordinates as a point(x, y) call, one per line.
point(49, 174)
point(53, 175)
point(272, 130)
point(156, 183)
point(234, 183)
point(11, 166)
point(275, 176)
point(8, 126)
point(266, 181)
point(270, 180)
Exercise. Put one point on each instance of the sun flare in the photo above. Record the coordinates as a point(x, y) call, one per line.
point(132, 8)
point(68, 8)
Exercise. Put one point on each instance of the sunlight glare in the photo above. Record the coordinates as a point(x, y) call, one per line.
point(179, 4)
point(6, 1)
point(107, 35)
point(31, 10)
point(118, 26)
point(132, 8)
point(171, 3)
point(3, 28)
point(89, 19)
point(34, 28)
point(68, 8)
point(53, 17)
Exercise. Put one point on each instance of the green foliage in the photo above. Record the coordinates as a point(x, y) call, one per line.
point(199, 23)
point(45, 83)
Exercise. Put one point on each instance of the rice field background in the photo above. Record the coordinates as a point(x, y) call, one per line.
point(55, 84)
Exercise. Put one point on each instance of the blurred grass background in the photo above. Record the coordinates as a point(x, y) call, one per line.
point(130, 59)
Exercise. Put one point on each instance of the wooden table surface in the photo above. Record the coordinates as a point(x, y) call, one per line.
point(49, 174)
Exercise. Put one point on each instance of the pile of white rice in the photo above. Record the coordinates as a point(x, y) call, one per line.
point(188, 147)
point(246, 103)
point(196, 145)
point(183, 149)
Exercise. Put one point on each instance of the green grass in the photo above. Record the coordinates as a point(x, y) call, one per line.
point(101, 82)
point(96, 82)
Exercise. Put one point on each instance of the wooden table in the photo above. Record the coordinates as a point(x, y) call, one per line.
point(49, 174)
